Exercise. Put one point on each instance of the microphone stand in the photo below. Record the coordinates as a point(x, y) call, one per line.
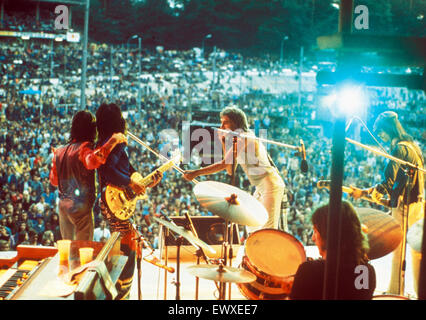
point(242, 135)
point(140, 240)
point(199, 253)
point(405, 210)
point(225, 245)
point(234, 160)
point(179, 241)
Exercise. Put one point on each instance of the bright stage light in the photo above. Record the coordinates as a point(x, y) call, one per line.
point(347, 100)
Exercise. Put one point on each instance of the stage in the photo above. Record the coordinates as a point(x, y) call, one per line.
point(154, 285)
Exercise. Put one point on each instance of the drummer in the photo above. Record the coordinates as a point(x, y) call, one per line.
point(255, 161)
point(354, 283)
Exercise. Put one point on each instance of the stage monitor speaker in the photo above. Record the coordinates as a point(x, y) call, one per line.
point(210, 229)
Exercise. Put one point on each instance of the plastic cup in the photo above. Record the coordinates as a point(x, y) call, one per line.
point(86, 255)
point(63, 250)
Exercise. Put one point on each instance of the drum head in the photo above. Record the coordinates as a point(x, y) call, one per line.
point(389, 297)
point(274, 252)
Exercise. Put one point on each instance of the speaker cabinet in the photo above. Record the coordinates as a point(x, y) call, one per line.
point(203, 141)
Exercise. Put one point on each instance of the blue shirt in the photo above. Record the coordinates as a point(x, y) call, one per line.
point(117, 169)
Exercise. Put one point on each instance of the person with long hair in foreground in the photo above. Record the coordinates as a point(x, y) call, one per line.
point(357, 278)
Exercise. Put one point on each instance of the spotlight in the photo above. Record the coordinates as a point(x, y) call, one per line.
point(347, 100)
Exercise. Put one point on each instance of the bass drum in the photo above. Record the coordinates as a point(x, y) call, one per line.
point(389, 297)
point(272, 256)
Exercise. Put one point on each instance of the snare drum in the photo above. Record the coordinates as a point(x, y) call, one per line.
point(272, 256)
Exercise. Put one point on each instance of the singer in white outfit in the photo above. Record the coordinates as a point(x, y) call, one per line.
point(254, 160)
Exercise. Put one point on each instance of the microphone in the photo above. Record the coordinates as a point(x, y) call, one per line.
point(169, 220)
point(303, 163)
point(156, 262)
point(349, 124)
point(146, 244)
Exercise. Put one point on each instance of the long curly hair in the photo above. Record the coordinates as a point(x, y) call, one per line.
point(388, 122)
point(83, 127)
point(109, 120)
point(353, 243)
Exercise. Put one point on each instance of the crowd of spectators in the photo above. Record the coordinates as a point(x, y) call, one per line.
point(23, 22)
point(172, 83)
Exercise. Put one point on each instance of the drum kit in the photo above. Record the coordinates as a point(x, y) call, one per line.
point(270, 256)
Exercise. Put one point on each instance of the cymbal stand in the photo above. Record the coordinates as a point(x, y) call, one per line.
point(179, 242)
point(222, 286)
point(231, 253)
point(199, 253)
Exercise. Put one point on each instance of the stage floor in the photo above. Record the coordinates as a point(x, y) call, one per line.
point(155, 286)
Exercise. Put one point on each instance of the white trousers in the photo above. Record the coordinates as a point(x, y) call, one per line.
point(270, 193)
point(415, 213)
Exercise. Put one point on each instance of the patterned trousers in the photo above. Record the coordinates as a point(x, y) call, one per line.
point(128, 247)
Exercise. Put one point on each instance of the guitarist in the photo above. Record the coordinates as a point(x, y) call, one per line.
point(117, 171)
point(396, 184)
point(73, 173)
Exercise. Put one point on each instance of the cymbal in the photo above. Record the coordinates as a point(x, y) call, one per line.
point(188, 235)
point(415, 235)
point(231, 203)
point(384, 231)
point(221, 274)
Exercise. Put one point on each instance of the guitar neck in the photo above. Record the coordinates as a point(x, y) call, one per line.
point(349, 190)
point(148, 179)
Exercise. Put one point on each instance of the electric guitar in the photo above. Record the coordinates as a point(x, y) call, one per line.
point(122, 201)
point(349, 190)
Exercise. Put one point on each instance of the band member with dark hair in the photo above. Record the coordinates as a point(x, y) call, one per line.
point(73, 173)
point(396, 185)
point(357, 278)
point(117, 171)
point(255, 161)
